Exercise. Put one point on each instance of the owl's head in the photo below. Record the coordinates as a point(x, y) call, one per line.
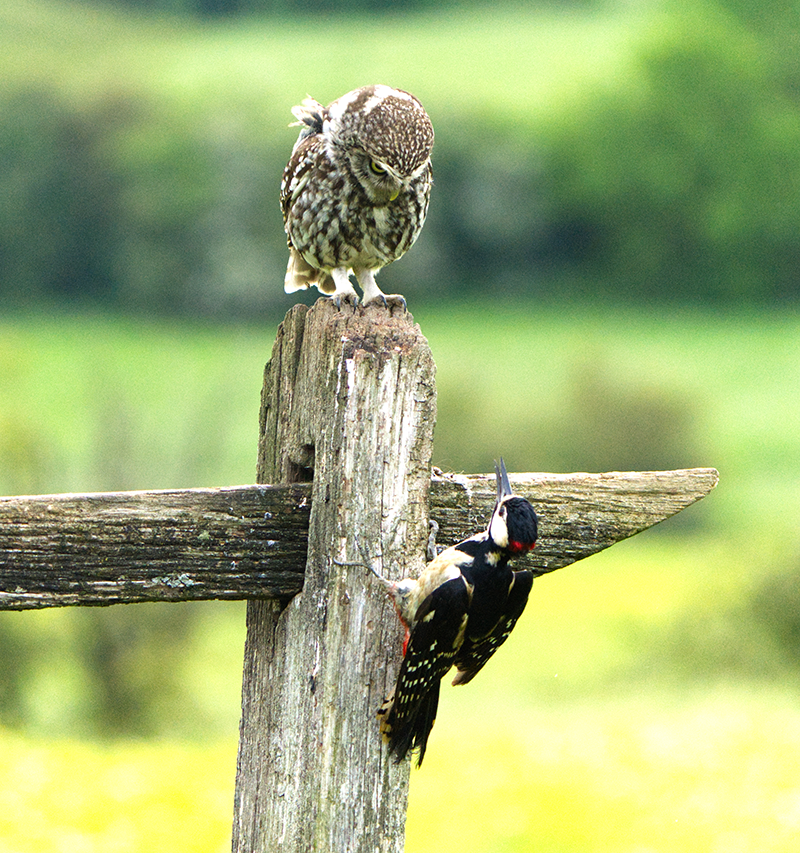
point(386, 136)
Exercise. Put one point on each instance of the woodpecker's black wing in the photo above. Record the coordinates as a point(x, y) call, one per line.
point(475, 651)
point(436, 635)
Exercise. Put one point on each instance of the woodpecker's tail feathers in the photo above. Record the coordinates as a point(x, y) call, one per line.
point(412, 734)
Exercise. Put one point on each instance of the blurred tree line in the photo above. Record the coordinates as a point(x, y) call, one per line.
point(218, 8)
point(684, 184)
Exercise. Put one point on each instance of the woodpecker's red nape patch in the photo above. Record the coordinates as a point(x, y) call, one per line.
point(520, 547)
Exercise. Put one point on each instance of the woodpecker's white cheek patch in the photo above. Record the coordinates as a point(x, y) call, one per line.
point(499, 531)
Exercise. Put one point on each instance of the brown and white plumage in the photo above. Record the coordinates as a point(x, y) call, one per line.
point(355, 192)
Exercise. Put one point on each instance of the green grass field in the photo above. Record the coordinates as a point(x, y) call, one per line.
point(645, 702)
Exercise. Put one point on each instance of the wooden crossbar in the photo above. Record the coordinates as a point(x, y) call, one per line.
point(244, 542)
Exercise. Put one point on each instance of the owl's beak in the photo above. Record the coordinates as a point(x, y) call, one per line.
point(394, 194)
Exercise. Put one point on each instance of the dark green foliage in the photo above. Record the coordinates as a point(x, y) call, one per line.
point(102, 671)
point(613, 427)
point(775, 608)
point(755, 637)
point(689, 180)
point(231, 8)
point(58, 202)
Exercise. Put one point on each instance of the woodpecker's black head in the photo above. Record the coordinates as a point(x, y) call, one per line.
point(513, 526)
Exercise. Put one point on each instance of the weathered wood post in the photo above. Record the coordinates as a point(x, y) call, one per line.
point(349, 397)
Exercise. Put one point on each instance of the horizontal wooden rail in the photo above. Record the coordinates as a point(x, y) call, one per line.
point(250, 541)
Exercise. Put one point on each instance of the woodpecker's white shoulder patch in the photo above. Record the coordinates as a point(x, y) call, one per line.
point(445, 565)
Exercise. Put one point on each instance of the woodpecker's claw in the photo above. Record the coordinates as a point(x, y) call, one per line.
point(377, 574)
point(431, 549)
point(365, 563)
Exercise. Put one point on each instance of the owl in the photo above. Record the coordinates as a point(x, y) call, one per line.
point(355, 192)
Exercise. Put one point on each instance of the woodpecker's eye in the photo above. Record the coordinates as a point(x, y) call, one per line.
point(376, 168)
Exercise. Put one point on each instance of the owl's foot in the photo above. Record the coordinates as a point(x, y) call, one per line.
point(392, 301)
point(348, 298)
point(345, 292)
point(373, 293)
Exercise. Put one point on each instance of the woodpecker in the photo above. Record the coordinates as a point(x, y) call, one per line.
point(457, 613)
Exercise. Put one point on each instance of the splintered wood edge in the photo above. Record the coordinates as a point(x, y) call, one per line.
point(250, 541)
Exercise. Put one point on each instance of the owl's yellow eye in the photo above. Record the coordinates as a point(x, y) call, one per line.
point(376, 168)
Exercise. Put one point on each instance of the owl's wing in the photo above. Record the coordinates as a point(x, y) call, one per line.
point(298, 171)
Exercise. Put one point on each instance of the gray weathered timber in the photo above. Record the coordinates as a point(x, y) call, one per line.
point(250, 541)
point(579, 514)
point(351, 396)
point(180, 545)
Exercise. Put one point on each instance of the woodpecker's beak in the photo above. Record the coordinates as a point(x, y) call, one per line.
point(503, 486)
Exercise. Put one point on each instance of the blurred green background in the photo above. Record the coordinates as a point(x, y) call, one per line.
point(608, 280)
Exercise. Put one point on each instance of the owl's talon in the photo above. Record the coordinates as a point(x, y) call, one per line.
point(347, 298)
point(395, 300)
point(390, 301)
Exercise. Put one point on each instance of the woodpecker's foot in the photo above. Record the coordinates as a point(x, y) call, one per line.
point(366, 564)
point(378, 575)
point(383, 713)
point(431, 550)
point(366, 561)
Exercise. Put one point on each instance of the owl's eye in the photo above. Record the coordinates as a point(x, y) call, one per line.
point(376, 168)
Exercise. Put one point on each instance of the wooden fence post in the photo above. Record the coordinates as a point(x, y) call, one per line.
point(349, 397)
